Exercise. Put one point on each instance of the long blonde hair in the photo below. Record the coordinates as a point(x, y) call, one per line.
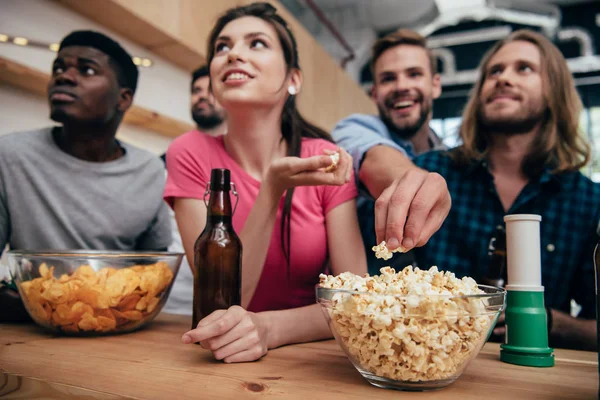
point(560, 145)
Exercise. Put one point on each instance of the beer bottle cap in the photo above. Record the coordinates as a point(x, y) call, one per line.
point(220, 179)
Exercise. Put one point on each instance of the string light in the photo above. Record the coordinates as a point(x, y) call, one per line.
point(21, 41)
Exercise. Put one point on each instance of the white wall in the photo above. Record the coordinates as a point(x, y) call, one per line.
point(164, 87)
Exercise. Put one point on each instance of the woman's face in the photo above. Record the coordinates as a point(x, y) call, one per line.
point(248, 67)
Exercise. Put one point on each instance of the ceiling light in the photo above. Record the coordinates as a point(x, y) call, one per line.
point(20, 41)
point(54, 47)
point(3, 38)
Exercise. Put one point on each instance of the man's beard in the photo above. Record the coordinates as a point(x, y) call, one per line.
point(208, 120)
point(406, 131)
point(510, 125)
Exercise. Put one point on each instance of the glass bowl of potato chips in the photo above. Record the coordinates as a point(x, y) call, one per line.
point(88, 293)
point(413, 330)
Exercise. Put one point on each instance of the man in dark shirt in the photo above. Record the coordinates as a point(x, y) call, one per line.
point(521, 154)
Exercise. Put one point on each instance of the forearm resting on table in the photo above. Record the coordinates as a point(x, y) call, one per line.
point(298, 325)
point(572, 333)
point(256, 238)
point(381, 166)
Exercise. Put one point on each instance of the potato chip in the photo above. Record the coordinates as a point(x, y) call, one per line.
point(87, 295)
point(120, 318)
point(132, 315)
point(45, 272)
point(88, 322)
point(142, 304)
point(107, 324)
point(150, 282)
point(128, 302)
point(26, 286)
point(78, 309)
point(40, 311)
point(86, 273)
point(62, 315)
point(55, 293)
point(132, 281)
point(152, 304)
point(71, 328)
point(105, 313)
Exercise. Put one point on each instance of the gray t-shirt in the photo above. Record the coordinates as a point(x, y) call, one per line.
point(52, 200)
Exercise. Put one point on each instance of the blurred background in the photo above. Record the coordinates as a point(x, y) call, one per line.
point(167, 38)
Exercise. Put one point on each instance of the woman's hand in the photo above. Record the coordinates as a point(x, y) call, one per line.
point(233, 335)
point(288, 172)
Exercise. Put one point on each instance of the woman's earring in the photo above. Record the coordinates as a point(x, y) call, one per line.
point(292, 90)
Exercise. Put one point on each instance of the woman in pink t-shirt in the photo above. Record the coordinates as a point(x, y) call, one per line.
point(277, 162)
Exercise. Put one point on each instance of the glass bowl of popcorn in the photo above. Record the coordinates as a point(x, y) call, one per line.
point(89, 293)
point(412, 330)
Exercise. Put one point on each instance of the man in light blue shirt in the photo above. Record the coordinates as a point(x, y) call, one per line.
point(405, 85)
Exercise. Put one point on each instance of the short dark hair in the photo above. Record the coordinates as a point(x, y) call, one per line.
point(397, 38)
point(125, 69)
point(200, 72)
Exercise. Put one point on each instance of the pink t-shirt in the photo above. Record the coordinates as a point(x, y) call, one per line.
point(190, 159)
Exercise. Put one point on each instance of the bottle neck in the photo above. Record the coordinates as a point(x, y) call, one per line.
point(219, 206)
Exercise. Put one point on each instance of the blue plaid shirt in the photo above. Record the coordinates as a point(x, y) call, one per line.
point(569, 204)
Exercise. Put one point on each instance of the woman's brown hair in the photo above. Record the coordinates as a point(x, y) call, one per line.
point(560, 144)
point(293, 126)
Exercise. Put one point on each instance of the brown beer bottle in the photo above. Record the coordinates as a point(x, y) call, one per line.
point(217, 253)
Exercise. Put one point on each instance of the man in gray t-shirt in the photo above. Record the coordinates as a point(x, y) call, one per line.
point(75, 186)
point(52, 200)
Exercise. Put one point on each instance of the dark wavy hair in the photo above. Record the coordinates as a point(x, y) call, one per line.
point(293, 126)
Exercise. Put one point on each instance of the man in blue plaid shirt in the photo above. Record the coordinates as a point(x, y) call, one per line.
point(521, 154)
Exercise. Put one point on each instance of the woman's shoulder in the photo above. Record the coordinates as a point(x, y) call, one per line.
point(194, 142)
point(194, 138)
point(315, 147)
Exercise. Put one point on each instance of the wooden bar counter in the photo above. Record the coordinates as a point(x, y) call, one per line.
point(154, 364)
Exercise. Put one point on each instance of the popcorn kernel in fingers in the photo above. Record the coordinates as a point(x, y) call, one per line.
point(382, 251)
point(335, 159)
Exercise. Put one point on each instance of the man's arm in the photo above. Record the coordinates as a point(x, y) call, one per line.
point(572, 333)
point(580, 333)
point(411, 203)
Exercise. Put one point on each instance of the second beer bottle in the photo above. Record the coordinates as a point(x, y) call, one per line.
point(217, 253)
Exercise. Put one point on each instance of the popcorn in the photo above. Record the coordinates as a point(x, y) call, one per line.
point(335, 159)
point(411, 325)
point(381, 251)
